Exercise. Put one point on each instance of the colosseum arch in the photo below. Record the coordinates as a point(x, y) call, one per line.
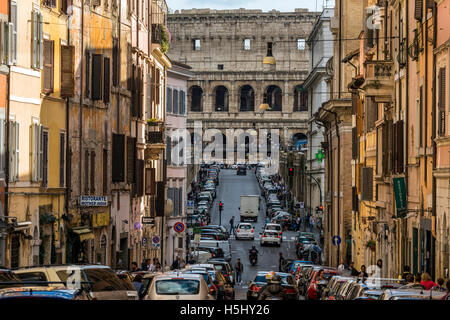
point(195, 96)
point(221, 98)
point(247, 98)
point(274, 97)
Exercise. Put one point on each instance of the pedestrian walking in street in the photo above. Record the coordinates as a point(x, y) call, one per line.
point(137, 283)
point(181, 263)
point(379, 272)
point(341, 266)
point(158, 266)
point(363, 273)
point(152, 266)
point(281, 262)
point(134, 266)
point(232, 225)
point(353, 271)
point(175, 264)
point(299, 222)
point(426, 281)
point(311, 224)
point(239, 268)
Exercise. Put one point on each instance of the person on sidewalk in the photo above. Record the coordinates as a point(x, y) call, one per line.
point(232, 225)
point(281, 262)
point(311, 224)
point(341, 266)
point(239, 268)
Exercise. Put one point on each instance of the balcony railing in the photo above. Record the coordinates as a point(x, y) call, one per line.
point(379, 80)
point(156, 33)
point(155, 137)
point(154, 132)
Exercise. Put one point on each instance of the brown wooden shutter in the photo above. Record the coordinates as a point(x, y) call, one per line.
point(88, 74)
point(418, 10)
point(150, 183)
point(367, 183)
point(399, 147)
point(141, 93)
point(354, 143)
point(105, 171)
point(131, 159)
point(441, 114)
point(96, 77)
point(354, 102)
point(430, 4)
point(44, 158)
point(133, 92)
point(118, 158)
point(355, 202)
point(106, 83)
point(48, 66)
point(394, 141)
point(140, 177)
point(157, 100)
point(67, 75)
point(160, 198)
point(115, 63)
point(92, 172)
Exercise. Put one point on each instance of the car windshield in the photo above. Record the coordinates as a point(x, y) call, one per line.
point(270, 234)
point(273, 227)
point(103, 279)
point(8, 276)
point(262, 279)
point(178, 287)
point(245, 226)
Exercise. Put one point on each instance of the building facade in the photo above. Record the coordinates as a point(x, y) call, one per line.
point(226, 49)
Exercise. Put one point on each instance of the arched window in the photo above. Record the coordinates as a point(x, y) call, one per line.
point(274, 98)
point(300, 140)
point(221, 94)
point(196, 94)
point(247, 98)
point(300, 99)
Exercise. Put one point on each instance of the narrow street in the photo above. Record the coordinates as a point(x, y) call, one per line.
point(230, 189)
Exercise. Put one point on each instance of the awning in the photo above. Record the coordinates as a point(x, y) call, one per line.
point(22, 226)
point(85, 233)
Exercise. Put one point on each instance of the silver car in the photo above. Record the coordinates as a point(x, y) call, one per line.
point(179, 286)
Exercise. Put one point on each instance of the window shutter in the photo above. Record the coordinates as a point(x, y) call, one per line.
point(441, 114)
point(180, 201)
point(133, 92)
point(150, 184)
point(105, 171)
point(170, 195)
point(399, 145)
point(176, 205)
point(115, 63)
point(169, 150)
point(40, 152)
point(140, 177)
point(67, 74)
point(35, 40)
point(95, 2)
point(88, 74)
point(183, 95)
point(48, 66)
point(355, 202)
point(106, 82)
point(141, 93)
point(160, 199)
point(131, 159)
point(44, 158)
point(354, 143)
point(175, 102)
point(2, 147)
point(367, 183)
point(149, 96)
point(93, 170)
point(13, 32)
point(16, 159)
point(418, 11)
point(12, 146)
point(157, 97)
point(430, 4)
point(169, 100)
point(62, 156)
point(41, 40)
point(36, 131)
point(96, 77)
point(118, 158)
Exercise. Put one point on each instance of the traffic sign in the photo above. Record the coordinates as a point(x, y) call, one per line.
point(144, 242)
point(336, 240)
point(156, 242)
point(148, 221)
point(178, 227)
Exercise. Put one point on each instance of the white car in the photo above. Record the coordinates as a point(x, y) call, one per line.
point(201, 256)
point(274, 227)
point(245, 230)
point(178, 286)
point(270, 237)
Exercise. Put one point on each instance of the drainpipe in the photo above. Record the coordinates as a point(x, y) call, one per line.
point(68, 153)
point(340, 50)
point(338, 173)
point(405, 166)
point(433, 136)
point(81, 99)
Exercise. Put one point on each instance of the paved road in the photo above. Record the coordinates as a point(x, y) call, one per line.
point(230, 189)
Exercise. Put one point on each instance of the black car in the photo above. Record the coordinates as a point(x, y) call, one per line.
point(224, 266)
point(214, 235)
point(215, 252)
point(287, 282)
point(241, 170)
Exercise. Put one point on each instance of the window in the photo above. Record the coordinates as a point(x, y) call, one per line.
point(196, 43)
point(246, 44)
point(86, 171)
point(169, 101)
point(220, 66)
point(221, 94)
point(37, 40)
point(106, 74)
point(44, 158)
point(196, 98)
point(421, 116)
point(273, 98)
point(48, 77)
point(140, 164)
point(247, 98)
point(50, 3)
point(301, 44)
point(175, 102)
point(62, 158)
point(2, 147)
point(96, 76)
point(182, 102)
point(441, 113)
point(169, 150)
point(118, 158)
point(6, 46)
point(115, 63)
point(367, 183)
point(150, 183)
point(14, 150)
point(300, 99)
point(13, 30)
point(88, 74)
point(36, 152)
point(371, 113)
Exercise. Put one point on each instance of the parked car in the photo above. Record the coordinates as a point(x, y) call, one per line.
point(6, 276)
point(411, 294)
point(333, 287)
point(270, 237)
point(213, 288)
point(316, 285)
point(223, 244)
point(147, 278)
point(40, 294)
point(241, 170)
point(226, 290)
point(245, 231)
point(259, 281)
point(295, 265)
point(101, 282)
point(179, 286)
point(217, 227)
point(273, 227)
point(201, 256)
point(127, 279)
point(215, 252)
point(224, 267)
point(357, 289)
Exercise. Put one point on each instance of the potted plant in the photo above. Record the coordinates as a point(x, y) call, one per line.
point(152, 122)
point(165, 39)
point(371, 244)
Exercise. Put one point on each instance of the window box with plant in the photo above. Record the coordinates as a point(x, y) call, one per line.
point(371, 244)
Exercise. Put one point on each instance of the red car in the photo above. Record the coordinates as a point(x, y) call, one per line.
point(316, 285)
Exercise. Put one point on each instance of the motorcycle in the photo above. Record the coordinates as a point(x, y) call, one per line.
point(253, 257)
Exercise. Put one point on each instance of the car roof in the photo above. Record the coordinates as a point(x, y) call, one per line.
point(245, 223)
point(55, 266)
point(261, 273)
point(172, 275)
point(273, 224)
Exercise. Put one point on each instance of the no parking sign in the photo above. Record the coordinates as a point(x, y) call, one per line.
point(178, 227)
point(156, 242)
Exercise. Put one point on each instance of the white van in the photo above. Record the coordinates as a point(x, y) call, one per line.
point(223, 244)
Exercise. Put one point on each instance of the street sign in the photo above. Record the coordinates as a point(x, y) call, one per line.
point(190, 206)
point(336, 240)
point(400, 196)
point(190, 231)
point(148, 221)
point(302, 205)
point(156, 242)
point(178, 227)
point(144, 242)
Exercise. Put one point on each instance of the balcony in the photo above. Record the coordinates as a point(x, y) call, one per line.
point(154, 140)
point(379, 80)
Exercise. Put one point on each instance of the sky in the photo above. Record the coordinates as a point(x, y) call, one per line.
point(265, 5)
